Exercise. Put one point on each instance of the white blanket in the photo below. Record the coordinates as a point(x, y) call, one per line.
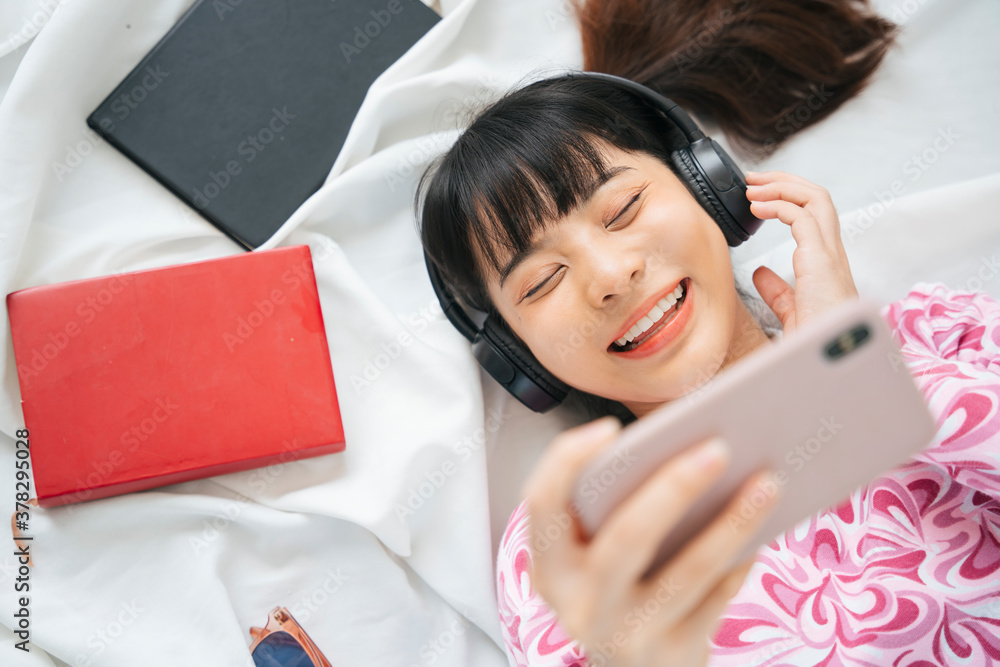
point(384, 553)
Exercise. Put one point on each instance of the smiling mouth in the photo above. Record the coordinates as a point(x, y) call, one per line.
point(661, 322)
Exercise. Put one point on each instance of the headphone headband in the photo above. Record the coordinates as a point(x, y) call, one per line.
point(668, 107)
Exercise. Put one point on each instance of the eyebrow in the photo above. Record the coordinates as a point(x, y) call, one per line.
point(535, 246)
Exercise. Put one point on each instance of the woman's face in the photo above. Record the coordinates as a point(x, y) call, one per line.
point(609, 271)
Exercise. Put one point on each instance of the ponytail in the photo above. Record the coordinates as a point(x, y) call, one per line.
point(761, 69)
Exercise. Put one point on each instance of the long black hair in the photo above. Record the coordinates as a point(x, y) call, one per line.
point(761, 69)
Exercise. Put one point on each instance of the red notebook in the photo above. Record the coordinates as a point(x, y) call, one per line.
point(156, 377)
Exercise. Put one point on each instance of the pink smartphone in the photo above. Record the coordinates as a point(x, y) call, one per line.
point(827, 409)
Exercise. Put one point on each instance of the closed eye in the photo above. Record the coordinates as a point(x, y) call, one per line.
point(621, 214)
point(540, 285)
point(626, 208)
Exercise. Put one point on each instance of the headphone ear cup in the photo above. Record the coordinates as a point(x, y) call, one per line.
point(705, 195)
point(516, 368)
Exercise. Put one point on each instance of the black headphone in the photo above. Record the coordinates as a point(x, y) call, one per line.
point(711, 176)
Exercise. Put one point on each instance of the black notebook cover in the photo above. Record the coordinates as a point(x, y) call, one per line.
point(242, 108)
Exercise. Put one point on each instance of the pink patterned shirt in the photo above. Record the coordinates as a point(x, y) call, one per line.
point(905, 572)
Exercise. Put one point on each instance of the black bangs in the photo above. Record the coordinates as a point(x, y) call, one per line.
point(528, 160)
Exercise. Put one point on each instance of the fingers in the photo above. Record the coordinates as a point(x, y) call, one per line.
point(798, 194)
point(822, 273)
point(805, 228)
point(704, 620)
point(629, 538)
point(763, 177)
point(548, 490)
point(793, 191)
point(777, 294)
point(703, 563)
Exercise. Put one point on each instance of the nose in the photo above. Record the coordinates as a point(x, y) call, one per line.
point(613, 272)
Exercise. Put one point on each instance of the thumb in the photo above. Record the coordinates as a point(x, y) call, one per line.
point(777, 294)
point(555, 473)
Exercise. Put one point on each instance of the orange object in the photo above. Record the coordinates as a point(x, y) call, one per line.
point(283, 642)
point(155, 377)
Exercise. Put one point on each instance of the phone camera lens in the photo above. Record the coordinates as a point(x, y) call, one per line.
point(847, 342)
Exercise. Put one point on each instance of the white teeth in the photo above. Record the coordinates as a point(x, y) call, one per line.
point(655, 313)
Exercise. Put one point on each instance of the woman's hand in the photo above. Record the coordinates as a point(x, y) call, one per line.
point(596, 586)
point(822, 275)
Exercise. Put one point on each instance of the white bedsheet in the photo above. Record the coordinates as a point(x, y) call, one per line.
point(385, 553)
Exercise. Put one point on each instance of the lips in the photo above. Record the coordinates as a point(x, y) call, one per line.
point(661, 332)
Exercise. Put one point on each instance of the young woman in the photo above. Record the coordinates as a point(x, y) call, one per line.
point(559, 211)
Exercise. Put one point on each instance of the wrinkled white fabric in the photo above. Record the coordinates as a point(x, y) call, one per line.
point(384, 553)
